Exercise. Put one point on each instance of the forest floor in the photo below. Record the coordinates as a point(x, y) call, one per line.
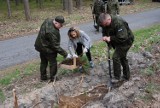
point(17, 26)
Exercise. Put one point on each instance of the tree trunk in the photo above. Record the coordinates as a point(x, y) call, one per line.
point(65, 5)
point(9, 8)
point(40, 4)
point(79, 4)
point(27, 10)
point(17, 2)
point(70, 6)
point(37, 1)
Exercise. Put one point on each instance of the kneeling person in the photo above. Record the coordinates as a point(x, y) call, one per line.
point(79, 42)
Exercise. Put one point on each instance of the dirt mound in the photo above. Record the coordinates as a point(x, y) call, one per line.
point(81, 100)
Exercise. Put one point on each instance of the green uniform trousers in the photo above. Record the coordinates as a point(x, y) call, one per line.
point(48, 58)
point(97, 22)
point(119, 59)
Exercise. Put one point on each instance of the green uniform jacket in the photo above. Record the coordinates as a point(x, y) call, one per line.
point(48, 40)
point(98, 7)
point(119, 32)
point(113, 7)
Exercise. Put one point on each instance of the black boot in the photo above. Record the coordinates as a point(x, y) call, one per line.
point(44, 78)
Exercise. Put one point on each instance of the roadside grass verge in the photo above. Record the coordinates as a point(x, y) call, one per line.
point(2, 97)
point(144, 39)
point(9, 77)
point(16, 73)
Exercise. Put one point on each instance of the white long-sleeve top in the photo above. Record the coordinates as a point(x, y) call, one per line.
point(83, 39)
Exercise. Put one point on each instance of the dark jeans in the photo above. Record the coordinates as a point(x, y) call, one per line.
point(48, 58)
point(119, 59)
point(79, 51)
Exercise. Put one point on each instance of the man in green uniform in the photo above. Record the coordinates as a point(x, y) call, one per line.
point(113, 7)
point(98, 8)
point(117, 33)
point(131, 1)
point(48, 45)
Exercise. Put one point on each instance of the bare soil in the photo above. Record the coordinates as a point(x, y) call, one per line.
point(79, 62)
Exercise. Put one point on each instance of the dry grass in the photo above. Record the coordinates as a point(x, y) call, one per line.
point(18, 26)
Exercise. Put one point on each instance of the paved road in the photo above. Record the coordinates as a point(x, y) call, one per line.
point(19, 50)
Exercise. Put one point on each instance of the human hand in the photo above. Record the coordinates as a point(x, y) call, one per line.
point(69, 56)
point(75, 56)
point(85, 50)
point(106, 38)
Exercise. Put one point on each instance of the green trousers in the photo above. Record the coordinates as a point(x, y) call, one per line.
point(119, 59)
point(48, 58)
point(97, 22)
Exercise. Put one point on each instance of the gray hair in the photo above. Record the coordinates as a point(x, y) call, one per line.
point(103, 16)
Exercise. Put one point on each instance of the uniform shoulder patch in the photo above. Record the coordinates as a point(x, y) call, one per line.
point(120, 30)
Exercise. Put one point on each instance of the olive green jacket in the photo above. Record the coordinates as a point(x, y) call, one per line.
point(113, 7)
point(48, 39)
point(119, 32)
point(98, 8)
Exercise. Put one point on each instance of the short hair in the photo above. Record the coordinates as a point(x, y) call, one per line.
point(103, 16)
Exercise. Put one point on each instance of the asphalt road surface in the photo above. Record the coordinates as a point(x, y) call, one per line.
point(19, 50)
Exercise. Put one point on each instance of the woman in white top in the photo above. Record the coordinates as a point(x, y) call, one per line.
point(79, 43)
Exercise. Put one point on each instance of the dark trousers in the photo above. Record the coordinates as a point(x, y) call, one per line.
point(119, 59)
point(48, 58)
point(79, 51)
point(97, 22)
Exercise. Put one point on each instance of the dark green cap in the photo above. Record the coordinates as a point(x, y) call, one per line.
point(59, 19)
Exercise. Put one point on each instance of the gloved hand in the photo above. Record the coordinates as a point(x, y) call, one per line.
point(69, 56)
point(75, 56)
point(85, 50)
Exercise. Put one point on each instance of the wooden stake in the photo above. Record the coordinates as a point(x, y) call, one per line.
point(74, 61)
point(15, 99)
point(70, 67)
